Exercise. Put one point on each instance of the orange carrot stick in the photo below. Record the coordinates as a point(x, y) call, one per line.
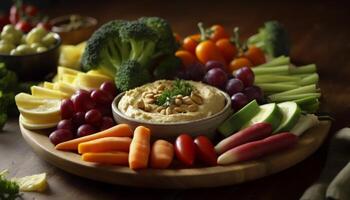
point(120, 130)
point(162, 154)
point(140, 148)
point(105, 144)
point(113, 157)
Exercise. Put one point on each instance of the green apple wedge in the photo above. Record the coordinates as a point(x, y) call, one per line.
point(238, 119)
point(290, 115)
point(269, 113)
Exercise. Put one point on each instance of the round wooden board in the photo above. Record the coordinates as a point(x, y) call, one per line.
point(308, 143)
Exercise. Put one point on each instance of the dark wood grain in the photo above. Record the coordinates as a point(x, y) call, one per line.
point(320, 34)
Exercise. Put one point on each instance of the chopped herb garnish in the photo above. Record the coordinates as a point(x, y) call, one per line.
point(179, 87)
point(9, 190)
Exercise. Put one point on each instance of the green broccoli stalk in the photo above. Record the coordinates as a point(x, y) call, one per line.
point(166, 45)
point(130, 75)
point(142, 40)
point(272, 38)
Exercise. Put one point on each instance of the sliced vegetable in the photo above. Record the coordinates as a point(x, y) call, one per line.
point(281, 60)
point(254, 132)
point(292, 97)
point(299, 90)
point(113, 158)
point(140, 148)
point(205, 150)
point(310, 79)
point(311, 68)
point(162, 154)
point(277, 87)
point(280, 70)
point(271, 78)
point(269, 113)
point(185, 149)
point(257, 149)
point(120, 130)
point(304, 123)
point(105, 144)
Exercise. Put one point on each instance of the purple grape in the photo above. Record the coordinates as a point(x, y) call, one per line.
point(254, 92)
point(238, 100)
point(101, 97)
point(82, 102)
point(195, 72)
point(109, 88)
point(107, 122)
point(216, 77)
point(246, 75)
point(67, 109)
point(85, 129)
point(66, 124)
point(93, 117)
point(78, 119)
point(214, 64)
point(60, 135)
point(233, 86)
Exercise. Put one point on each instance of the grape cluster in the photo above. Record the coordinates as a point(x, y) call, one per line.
point(86, 112)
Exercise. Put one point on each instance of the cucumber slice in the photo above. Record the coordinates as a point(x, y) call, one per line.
point(269, 113)
point(238, 119)
point(290, 115)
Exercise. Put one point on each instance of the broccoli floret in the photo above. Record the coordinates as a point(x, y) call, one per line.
point(166, 44)
point(272, 38)
point(167, 68)
point(131, 74)
point(142, 40)
point(102, 50)
point(9, 81)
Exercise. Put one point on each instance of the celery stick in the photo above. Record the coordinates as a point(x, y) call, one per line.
point(312, 108)
point(306, 101)
point(276, 87)
point(281, 70)
point(282, 60)
point(301, 76)
point(273, 98)
point(275, 78)
point(299, 90)
point(303, 69)
point(310, 79)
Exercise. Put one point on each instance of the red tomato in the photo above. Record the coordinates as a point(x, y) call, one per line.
point(24, 26)
point(205, 150)
point(185, 149)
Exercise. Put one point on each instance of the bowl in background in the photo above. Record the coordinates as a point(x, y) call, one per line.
point(206, 126)
point(34, 67)
point(77, 34)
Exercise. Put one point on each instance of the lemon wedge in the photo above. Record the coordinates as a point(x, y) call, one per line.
point(48, 93)
point(33, 183)
point(64, 87)
point(25, 100)
point(91, 81)
point(48, 85)
point(30, 125)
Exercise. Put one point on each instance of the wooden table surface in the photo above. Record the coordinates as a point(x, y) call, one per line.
point(320, 34)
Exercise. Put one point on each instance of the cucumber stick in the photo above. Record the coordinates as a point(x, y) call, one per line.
point(272, 98)
point(298, 90)
point(276, 87)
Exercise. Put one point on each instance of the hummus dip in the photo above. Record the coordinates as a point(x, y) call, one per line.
point(142, 103)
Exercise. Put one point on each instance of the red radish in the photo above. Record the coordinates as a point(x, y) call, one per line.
point(254, 132)
point(205, 150)
point(257, 149)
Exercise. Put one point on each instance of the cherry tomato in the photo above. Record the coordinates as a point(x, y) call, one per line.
point(24, 26)
point(239, 63)
point(255, 55)
point(196, 37)
point(190, 44)
point(218, 32)
point(207, 50)
point(205, 150)
point(31, 10)
point(45, 24)
point(186, 57)
point(185, 149)
point(227, 49)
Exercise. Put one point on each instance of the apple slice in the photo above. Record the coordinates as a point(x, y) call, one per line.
point(269, 113)
point(238, 119)
point(290, 115)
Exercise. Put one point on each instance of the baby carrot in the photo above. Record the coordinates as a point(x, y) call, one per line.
point(162, 154)
point(120, 130)
point(140, 148)
point(113, 157)
point(105, 144)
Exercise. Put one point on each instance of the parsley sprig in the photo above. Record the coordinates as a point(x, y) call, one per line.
point(168, 95)
point(9, 190)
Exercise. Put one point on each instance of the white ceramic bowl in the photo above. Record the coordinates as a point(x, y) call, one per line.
point(206, 126)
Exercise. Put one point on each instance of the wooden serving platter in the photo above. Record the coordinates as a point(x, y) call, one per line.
point(308, 143)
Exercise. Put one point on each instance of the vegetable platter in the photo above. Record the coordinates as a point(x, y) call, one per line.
point(143, 107)
point(179, 178)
